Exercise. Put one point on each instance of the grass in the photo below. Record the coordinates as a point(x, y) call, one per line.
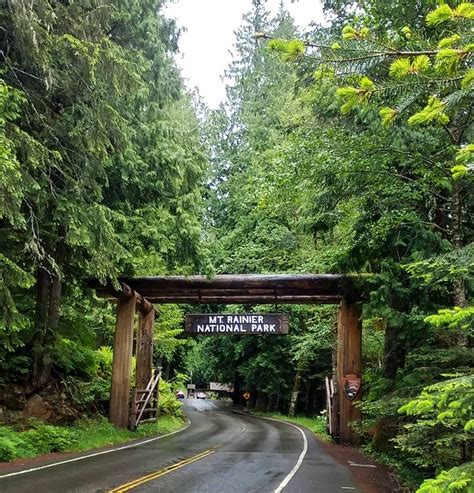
point(85, 434)
point(317, 424)
point(100, 433)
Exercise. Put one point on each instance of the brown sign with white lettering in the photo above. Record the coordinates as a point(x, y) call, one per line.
point(243, 323)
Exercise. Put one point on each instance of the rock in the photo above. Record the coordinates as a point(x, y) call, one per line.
point(29, 389)
point(49, 404)
point(12, 397)
point(61, 409)
point(37, 407)
point(65, 414)
point(8, 417)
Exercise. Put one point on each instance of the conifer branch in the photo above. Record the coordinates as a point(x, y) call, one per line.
point(370, 54)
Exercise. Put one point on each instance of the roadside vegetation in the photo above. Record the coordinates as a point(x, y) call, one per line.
point(317, 424)
point(39, 438)
point(347, 148)
point(101, 172)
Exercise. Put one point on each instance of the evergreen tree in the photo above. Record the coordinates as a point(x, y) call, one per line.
point(102, 158)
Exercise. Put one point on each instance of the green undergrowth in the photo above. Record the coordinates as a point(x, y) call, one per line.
point(41, 438)
point(317, 424)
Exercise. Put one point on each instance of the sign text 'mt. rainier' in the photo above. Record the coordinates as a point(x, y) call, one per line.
point(246, 323)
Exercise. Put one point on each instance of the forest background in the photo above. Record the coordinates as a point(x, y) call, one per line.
point(347, 148)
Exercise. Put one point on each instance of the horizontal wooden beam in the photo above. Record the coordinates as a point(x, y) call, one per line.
point(243, 281)
point(142, 304)
point(323, 291)
point(239, 289)
point(247, 300)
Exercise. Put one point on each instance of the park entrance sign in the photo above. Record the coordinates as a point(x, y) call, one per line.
point(242, 323)
point(142, 293)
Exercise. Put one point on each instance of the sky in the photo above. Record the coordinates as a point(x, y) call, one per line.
point(205, 46)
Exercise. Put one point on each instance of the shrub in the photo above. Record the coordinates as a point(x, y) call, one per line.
point(458, 480)
point(441, 434)
point(13, 368)
point(93, 394)
point(87, 433)
point(72, 358)
point(104, 357)
point(40, 439)
point(12, 445)
point(168, 403)
point(7, 450)
point(43, 438)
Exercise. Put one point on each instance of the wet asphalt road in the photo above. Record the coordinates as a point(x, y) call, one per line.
point(240, 454)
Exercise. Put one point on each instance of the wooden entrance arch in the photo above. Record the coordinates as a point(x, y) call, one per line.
point(141, 292)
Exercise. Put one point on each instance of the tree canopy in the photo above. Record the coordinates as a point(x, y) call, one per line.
point(101, 161)
point(343, 149)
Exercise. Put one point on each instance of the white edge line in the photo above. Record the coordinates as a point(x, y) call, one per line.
point(300, 458)
point(95, 454)
point(355, 464)
point(288, 478)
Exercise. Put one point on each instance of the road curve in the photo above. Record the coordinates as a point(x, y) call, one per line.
point(220, 451)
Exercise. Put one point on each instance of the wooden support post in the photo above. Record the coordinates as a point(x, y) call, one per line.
point(123, 341)
point(133, 410)
point(349, 334)
point(144, 349)
point(157, 394)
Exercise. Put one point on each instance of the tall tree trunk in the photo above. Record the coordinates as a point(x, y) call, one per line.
point(307, 396)
point(261, 401)
point(459, 293)
point(47, 319)
point(459, 286)
point(271, 402)
point(278, 400)
point(294, 395)
point(41, 323)
point(167, 369)
point(55, 289)
point(48, 296)
point(54, 299)
point(237, 394)
point(394, 352)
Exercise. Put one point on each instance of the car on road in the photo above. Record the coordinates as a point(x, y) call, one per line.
point(180, 394)
point(200, 395)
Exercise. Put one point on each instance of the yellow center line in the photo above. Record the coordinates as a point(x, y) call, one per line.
point(161, 472)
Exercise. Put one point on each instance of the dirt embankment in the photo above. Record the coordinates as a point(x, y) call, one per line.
point(19, 403)
point(377, 479)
